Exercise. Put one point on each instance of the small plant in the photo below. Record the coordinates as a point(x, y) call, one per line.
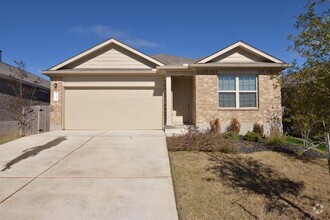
point(234, 126)
point(253, 136)
point(231, 135)
point(225, 146)
point(276, 140)
point(215, 126)
point(258, 128)
point(273, 122)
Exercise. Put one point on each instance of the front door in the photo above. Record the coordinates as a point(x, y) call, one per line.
point(182, 100)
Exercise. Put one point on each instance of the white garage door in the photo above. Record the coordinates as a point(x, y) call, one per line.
point(113, 108)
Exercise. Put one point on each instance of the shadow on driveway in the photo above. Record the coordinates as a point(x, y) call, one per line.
point(33, 151)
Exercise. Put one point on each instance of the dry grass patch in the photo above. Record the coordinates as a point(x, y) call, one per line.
point(6, 139)
point(263, 185)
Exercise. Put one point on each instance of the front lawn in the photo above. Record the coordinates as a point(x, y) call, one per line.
point(259, 185)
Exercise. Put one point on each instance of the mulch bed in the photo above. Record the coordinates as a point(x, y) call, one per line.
point(290, 149)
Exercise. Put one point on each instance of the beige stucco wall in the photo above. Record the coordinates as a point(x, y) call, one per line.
point(56, 106)
point(207, 102)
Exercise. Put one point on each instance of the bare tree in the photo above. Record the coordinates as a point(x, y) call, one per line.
point(19, 103)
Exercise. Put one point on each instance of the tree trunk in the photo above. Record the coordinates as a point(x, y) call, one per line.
point(327, 142)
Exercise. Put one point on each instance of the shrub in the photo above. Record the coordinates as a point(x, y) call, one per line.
point(234, 126)
point(179, 143)
point(225, 146)
point(258, 128)
point(253, 136)
point(231, 135)
point(274, 122)
point(195, 140)
point(276, 140)
point(275, 132)
point(215, 126)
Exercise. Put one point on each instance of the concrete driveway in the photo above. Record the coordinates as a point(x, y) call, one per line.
point(87, 175)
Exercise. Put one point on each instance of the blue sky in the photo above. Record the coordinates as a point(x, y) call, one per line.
point(44, 33)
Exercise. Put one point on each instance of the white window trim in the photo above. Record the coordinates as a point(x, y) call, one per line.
point(237, 91)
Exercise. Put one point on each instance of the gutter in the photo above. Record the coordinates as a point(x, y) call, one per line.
point(240, 65)
point(97, 72)
point(161, 69)
point(186, 67)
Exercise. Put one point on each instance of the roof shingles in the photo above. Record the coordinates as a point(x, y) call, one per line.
point(8, 70)
point(170, 60)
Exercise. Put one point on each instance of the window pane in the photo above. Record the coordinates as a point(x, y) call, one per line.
point(247, 82)
point(227, 83)
point(247, 99)
point(227, 99)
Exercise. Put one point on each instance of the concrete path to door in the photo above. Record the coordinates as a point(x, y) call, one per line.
point(87, 175)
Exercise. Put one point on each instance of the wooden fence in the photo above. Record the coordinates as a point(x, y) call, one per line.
point(39, 123)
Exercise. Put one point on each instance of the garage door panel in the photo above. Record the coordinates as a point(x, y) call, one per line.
point(92, 123)
point(126, 101)
point(151, 103)
point(126, 113)
point(110, 108)
point(147, 124)
point(109, 111)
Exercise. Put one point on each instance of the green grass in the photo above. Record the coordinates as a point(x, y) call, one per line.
point(293, 140)
point(297, 141)
point(322, 147)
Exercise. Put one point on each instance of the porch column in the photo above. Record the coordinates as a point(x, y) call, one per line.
point(169, 102)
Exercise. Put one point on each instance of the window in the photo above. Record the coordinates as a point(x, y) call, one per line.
point(237, 91)
point(227, 99)
point(43, 94)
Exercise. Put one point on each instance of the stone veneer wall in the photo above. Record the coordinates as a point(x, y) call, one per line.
point(56, 107)
point(207, 102)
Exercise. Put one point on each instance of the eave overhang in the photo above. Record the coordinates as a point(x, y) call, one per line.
point(240, 65)
point(99, 72)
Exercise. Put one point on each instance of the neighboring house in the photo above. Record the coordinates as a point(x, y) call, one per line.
point(113, 86)
point(7, 74)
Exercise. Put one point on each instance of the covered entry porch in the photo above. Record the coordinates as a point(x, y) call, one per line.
point(179, 100)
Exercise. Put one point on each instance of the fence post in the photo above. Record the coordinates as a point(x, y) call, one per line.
point(327, 143)
point(38, 122)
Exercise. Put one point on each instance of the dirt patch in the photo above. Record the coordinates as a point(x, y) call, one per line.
point(262, 185)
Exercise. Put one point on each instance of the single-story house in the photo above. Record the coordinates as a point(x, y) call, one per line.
point(39, 87)
point(113, 86)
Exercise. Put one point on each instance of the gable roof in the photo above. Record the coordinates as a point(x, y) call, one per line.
point(103, 45)
point(7, 70)
point(245, 46)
